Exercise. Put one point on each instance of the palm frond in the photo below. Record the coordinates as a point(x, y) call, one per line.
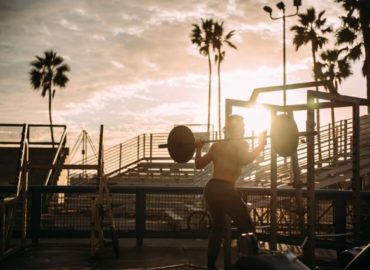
point(355, 52)
point(345, 35)
point(35, 78)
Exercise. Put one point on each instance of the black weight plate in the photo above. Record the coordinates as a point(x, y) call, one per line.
point(284, 135)
point(180, 144)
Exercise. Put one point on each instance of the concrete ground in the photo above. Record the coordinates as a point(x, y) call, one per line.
point(155, 254)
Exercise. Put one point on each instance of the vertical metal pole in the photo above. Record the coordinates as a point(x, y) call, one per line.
point(309, 248)
point(140, 217)
point(329, 140)
point(151, 147)
point(273, 198)
point(100, 158)
point(24, 194)
point(284, 57)
point(138, 148)
point(2, 227)
point(340, 222)
point(120, 157)
point(356, 180)
point(144, 144)
point(345, 139)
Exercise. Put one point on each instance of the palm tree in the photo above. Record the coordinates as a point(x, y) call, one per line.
point(355, 32)
point(311, 29)
point(333, 68)
point(219, 39)
point(47, 72)
point(201, 36)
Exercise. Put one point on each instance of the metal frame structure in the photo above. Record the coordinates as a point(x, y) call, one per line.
point(313, 103)
point(10, 204)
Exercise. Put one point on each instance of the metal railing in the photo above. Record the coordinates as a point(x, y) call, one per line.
point(126, 156)
point(14, 201)
point(147, 212)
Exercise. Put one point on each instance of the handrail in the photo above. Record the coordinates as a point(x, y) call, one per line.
point(23, 159)
point(124, 157)
point(61, 146)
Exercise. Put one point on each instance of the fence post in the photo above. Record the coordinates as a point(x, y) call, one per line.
point(356, 179)
point(140, 217)
point(273, 198)
point(35, 215)
point(340, 222)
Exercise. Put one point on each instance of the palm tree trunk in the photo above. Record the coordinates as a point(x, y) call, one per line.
point(219, 90)
point(318, 110)
point(50, 118)
point(209, 92)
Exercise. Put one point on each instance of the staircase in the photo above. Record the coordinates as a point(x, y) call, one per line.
point(41, 153)
point(333, 170)
point(139, 161)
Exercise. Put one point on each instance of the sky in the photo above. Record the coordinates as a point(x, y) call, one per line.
point(134, 69)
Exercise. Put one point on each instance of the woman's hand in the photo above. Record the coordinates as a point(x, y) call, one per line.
point(262, 138)
point(198, 144)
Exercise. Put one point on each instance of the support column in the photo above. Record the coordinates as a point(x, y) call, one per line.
point(356, 179)
point(273, 198)
point(309, 248)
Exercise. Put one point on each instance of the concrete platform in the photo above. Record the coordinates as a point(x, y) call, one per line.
point(70, 254)
point(155, 254)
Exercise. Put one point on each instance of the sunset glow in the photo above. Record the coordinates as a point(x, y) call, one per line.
point(134, 68)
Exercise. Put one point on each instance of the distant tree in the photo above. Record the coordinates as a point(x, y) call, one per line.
point(218, 42)
point(334, 68)
point(355, 32)
point(202, 36)
point(47, 72)
point(311, 30)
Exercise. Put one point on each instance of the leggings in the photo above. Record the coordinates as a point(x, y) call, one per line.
point(222, 198)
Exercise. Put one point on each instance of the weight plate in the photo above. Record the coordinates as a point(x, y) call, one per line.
point(284, 135)
point(180, 144)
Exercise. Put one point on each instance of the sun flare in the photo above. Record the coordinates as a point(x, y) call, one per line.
point(256, 119)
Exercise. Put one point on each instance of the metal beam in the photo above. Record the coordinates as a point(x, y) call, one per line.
point(339, 98)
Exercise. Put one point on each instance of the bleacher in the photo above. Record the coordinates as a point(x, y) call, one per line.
point(140, 161)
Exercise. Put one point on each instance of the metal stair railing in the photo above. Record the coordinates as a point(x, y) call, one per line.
point(260, 171)
point(9, 205)
point(128, 155)
point(58, 160)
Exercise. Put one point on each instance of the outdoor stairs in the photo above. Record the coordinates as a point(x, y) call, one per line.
point(139, 161)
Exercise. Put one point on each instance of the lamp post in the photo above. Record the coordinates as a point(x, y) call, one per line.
point(281, 6)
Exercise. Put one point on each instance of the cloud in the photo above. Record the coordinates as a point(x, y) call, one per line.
point(133, 66)
point(68, 25)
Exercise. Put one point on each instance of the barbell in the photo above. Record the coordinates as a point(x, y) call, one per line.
point(284, 139)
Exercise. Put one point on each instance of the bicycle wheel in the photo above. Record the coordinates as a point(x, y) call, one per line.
point(199, 221)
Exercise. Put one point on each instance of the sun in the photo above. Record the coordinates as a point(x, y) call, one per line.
point(256, 119)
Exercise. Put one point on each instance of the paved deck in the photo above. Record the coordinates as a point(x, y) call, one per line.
point(73, 254)
point(69, 254)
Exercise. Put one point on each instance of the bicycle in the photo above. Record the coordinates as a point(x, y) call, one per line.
point(199, 219)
